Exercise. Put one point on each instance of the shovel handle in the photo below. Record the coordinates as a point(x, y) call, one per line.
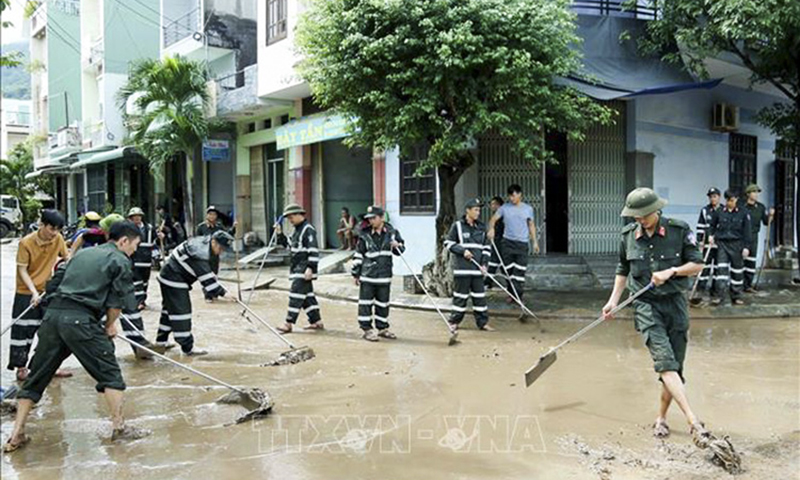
point(513, 297)
point(265, 323)
point(425, 289)
point(261, 265)
point(13, 321)
point(178, 364)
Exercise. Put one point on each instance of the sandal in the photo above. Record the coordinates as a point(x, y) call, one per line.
point(314, 326)
point(129, 432)
point(486, 328)
point(62, 374)
point(22, 374)
point(9, 447)
point(287, 328)
point(700, 435)
point(661, 429)
point(385, 333)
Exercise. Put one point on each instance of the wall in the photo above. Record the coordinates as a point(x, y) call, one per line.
point(129, 36)
point(63, 67)
point(276, 75)
point(689, 156)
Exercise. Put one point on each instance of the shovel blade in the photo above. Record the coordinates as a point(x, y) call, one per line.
point(292, 357)
point(537, 370)
point(453, 339)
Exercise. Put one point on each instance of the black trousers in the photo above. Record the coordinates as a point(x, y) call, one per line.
point(750, 264)
point(731, 268)
point(373, 303)
point(467, 287)
point(515, 257)
point(708, 277)
point(301, 297)
point(176, 317)
point(141, 280)
point(23, 331)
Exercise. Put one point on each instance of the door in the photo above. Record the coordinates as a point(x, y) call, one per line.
point(555, 224)
point(347, 182)
point(784, 194)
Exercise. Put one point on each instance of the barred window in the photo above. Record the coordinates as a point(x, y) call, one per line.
point(742, 166)
point(276, 20)
point(96, 180)
point(417, 192)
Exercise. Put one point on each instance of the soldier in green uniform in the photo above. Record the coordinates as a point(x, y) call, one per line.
point(97, 281)
point(663, 251)
point(758, 216)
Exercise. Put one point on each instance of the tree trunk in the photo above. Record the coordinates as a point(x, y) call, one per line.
point(188, 204)
point(440, 276)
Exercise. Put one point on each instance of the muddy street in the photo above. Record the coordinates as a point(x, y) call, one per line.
point(412, 405)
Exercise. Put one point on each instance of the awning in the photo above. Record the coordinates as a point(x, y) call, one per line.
point(107, 156)
point(613, 68)
point(33, 174)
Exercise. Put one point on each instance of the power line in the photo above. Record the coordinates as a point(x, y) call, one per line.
point(160, 14)
point(149, 20)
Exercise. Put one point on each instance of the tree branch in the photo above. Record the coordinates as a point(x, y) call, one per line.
point(748, 62)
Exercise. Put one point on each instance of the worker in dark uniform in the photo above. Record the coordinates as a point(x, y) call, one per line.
point(707, 214)
point(97, 281)
point(189, 262)
point(467, 242)
point(372, 270)
point(731, 231)
point(208, 227)
point(663, 251)
point(303, 270)
point(499, 228)
point(143, 257)
point(758, 216)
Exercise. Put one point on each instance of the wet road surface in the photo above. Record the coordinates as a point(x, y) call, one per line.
point(414, 407)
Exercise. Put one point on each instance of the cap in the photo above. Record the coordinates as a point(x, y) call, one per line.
point(473, 202)
point(135, 211)
point(110, 219)
point(642, 202)
point(212, 208)
point(293, 209)
point(92, 216)
point(713, 191)
point(373, 211)
point(224, 239)
point(752, 188)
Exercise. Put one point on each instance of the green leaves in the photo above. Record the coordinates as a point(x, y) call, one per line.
point(445, 71)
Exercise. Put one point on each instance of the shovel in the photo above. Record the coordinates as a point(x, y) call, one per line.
point(263, 260)
point(549, 358)
point(515, 296)
point(497, 282)
point(155, 347)
point(453, 332)
point(13, 321)
point(257, 402)
point(290, 357)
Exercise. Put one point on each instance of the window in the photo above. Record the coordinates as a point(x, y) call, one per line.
point(267, 124)
point(742, 166)
point(276, 20)
point(417, 192)
point(284, 119)
point(96, 186)
point(251, 127)
point(784, 193)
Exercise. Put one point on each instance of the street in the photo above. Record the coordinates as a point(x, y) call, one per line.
point(414, 405)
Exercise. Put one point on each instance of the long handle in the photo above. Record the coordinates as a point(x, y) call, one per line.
point(177, 364)
point(265, 323)
point(497, 282)
point(7, 327)
point(697, 278)
point(766, 251)
point(508, 275)
point(421, 284)
point(602, 318)
point(261, 267)
point(236, 259)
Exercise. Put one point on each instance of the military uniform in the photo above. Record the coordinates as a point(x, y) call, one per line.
point(467, 276)
point(372, 266)
point(95, 280)
point(710, 270)
point(660, 314)
point(189, 262)
point(758, 216)
point(731, 232)
point(305, 254)
point(143, 262)
point(206, 230)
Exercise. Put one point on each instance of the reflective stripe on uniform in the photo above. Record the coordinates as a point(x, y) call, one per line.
point(173, 284)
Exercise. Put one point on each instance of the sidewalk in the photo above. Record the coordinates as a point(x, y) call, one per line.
point(771, 303)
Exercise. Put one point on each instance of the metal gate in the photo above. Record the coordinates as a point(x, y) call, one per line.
point(596, 176)
point(499, 167)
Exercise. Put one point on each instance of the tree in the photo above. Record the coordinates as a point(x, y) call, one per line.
point(442, 72)
point(11, 59)
point(13, 180)
point(764, 35)
point(163, 104)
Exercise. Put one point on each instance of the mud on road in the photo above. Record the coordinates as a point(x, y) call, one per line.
point(414, 407)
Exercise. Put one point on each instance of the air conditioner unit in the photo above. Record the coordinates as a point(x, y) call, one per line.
point(725, 118)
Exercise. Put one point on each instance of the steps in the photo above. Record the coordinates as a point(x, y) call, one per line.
point(560, 273)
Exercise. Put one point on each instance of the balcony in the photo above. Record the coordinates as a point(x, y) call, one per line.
point(39, 21)
point(64, 142)
point(182, 27)
point(93, 62)
point(234, 96)
point(92, 133)
point(639, 9)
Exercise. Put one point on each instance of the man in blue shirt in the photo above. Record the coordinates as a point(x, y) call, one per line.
point(520, 229)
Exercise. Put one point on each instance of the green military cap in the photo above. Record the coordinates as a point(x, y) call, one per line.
point(373, 211)
point(135, 211)
point(224, 239)
point(109, 220)
point(642, 202)
point(473, 202)
point(293, 209)
point(752, 188)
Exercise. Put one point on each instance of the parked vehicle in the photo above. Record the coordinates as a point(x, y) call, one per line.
point(10, 215)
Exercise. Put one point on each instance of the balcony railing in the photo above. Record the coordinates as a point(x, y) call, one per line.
point(181, 27)
point(231, 82)
point(616, 8)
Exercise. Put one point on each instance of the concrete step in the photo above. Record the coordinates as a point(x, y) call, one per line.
point(559, 269)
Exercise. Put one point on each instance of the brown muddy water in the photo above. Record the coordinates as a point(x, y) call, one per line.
point(416, 408)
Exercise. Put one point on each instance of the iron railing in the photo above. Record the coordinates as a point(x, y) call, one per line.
point(641, 9)
point(181, 27)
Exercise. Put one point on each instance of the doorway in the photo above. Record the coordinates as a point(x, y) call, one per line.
point(556, 221)
point(784, 195)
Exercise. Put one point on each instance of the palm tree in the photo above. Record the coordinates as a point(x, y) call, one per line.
point(163, 103)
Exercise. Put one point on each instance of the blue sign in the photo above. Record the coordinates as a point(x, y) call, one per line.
point(216, 151)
